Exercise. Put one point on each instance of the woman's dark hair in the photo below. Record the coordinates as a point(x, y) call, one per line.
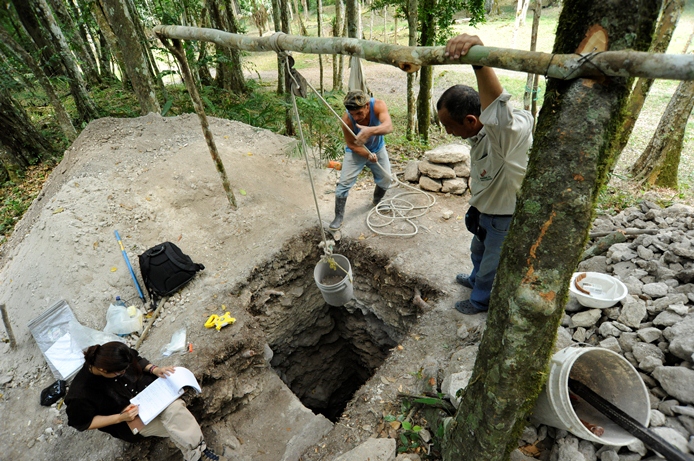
point(460, 101)
point(111, 357)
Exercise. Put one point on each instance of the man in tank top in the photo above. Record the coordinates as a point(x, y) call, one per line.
point(369, 120)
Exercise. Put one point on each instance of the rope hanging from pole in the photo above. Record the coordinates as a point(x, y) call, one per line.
point(388, 211)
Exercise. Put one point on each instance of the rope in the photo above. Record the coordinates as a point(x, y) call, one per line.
point(327, 245)
point(398, 208)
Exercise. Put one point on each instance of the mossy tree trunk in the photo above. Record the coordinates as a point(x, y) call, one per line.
point(338, 26)
point(134, 56)
point(672, 10)
point(568, 165)
point(78, 87)
point(21, 144)
point(659, 162)
point(426, 74)
point(411, 41)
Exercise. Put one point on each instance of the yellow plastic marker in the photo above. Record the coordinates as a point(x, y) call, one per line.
point(218, 322)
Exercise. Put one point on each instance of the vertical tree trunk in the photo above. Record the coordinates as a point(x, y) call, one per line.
point(86, 107)
point(222, 53)
point(546, 238)
point(302, 26)
point(426, 74)
point(177, 51)
point(60, 112)
point(286, 28)
point(338, 62)
point(81, 48)
point(385, 24)
point(135, 59)
point(411, 77)
point(277, 22)
point(319, 18)
point(110, 38)
point(530, 97)
point(238, 82)
point(21, 143)
point(142, 37)
point(660, 160)
point(672, 10)
point(352, 19)
point(43, 42)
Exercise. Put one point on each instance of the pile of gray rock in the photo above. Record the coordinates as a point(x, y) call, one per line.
point(445, 169)
point(653, 328)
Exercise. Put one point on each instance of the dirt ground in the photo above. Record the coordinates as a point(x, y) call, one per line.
point(152, 179)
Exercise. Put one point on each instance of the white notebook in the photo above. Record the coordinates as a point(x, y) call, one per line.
point(162, 392)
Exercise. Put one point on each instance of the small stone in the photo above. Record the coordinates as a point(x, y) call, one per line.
point(667, 319)
point(673, 437)
point(655, 290)
point(677, 382)
point(649, 335)
point(446, 214)
point(586, 319)
point(613, 345)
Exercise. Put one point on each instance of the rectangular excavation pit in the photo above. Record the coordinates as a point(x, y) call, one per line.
point(324, 354)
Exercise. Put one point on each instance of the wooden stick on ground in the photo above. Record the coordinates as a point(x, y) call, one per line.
point(151, 322)
point(8, 326)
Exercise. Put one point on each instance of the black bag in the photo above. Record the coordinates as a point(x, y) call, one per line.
point(472, 222)
point(53, 393)
point(166, 269)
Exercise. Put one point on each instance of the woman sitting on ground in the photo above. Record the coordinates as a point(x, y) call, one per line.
point(99, 398)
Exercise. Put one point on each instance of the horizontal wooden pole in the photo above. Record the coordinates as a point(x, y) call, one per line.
point(412, 58)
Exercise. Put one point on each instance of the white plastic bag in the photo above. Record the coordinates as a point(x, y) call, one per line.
point(121, 320)
point(177, 343)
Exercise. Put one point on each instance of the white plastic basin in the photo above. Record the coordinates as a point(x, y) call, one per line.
point(604, 290)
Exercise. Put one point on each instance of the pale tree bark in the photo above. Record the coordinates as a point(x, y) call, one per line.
point(491, 7)
point(110, 38)
point(142, 37)
point(42, 40)
point(78, 88)
point(319, 18)
point(60, 112)
point(134, 56)
point(411, 12)
point(20, 142)
point(177, 50)
point(547, 235)
point(338, 61)
point(521, 11)
point(385, 24)
point(531, 83)
point(302, 26)
point(659, 162)
point(286, 28)
point(426, 74)
point(669, 17)
point(277, 22)
point(568, 66)
point(353, 18)
point(238, 82)
point(304, 5)
point(80, 47)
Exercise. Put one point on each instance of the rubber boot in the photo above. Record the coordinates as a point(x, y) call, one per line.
point(378, 195)
point(339, 212)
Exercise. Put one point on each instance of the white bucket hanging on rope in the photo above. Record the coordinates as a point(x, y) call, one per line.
point(609, 375)
point(334, 283)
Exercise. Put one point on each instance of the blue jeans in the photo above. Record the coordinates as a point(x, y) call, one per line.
point(352, 166)
point(485, 257)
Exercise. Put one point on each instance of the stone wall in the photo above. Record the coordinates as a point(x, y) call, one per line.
point(445, 169)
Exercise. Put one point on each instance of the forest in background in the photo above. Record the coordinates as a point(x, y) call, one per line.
point(67, 62)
